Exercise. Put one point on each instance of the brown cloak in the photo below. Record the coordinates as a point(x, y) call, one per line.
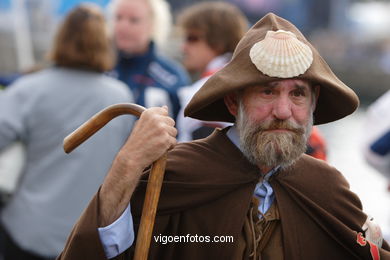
point(207, 190)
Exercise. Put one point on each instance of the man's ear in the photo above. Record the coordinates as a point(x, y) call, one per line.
point(231, 102)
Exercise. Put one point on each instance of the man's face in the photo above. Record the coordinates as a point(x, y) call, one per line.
point(196, 52)
point(274, 121)
point(133, 26)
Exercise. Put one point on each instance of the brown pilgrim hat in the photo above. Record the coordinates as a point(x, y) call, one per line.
point(335, 101)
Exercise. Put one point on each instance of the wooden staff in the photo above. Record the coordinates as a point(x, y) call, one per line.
point(156, 176)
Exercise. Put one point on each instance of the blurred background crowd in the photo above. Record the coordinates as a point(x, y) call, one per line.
point(159, 53)
point(352, 35)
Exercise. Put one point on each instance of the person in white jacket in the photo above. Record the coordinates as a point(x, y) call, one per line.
point(211, 32)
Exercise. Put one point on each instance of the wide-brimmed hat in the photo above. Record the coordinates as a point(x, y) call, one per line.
point(335, 101)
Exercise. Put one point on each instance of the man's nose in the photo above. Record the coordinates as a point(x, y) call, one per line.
point(282, 108)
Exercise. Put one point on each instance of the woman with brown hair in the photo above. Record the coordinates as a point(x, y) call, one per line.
point(42, 108)
point(211, 31)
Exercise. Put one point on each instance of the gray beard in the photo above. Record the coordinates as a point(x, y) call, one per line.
point(269, 149)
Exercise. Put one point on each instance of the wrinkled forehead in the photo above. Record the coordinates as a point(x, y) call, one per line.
point(298, 83)
point(290, 83)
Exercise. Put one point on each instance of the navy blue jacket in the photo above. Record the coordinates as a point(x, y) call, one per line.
point(381, 146)
point(153, 79)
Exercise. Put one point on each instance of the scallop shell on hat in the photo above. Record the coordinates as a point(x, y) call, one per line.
point(280, 54)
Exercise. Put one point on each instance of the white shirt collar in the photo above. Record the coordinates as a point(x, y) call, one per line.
point(232, 134)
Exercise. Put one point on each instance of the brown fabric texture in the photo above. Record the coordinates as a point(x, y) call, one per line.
point(261, 238)
point(336, 100)
point(208, 189)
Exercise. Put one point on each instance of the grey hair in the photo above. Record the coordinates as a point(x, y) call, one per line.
point(162, 19)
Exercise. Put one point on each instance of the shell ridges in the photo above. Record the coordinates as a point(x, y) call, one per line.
point(281, 54)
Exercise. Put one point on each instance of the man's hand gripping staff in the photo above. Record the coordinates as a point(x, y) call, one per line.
point(153, 134)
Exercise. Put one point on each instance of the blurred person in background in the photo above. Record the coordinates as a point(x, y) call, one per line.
point(211, 31)
point(377, 135)
point(40, 110)
point(139, 27)
point(8, 79)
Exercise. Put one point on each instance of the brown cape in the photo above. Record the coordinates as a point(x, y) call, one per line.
point(207, 190)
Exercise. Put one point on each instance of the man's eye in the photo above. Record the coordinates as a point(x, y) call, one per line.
point(298, 93)
point(267, 91)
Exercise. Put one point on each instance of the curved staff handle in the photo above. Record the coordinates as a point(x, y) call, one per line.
point(96, 122)
point(156, 176)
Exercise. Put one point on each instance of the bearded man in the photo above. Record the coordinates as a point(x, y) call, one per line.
point(252, 181)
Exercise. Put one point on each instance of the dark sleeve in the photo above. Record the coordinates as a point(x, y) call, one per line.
point(382, 145)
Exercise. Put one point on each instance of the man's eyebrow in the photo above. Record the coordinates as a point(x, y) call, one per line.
point(297, 85)
point(271, 84)
point(302, 87)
